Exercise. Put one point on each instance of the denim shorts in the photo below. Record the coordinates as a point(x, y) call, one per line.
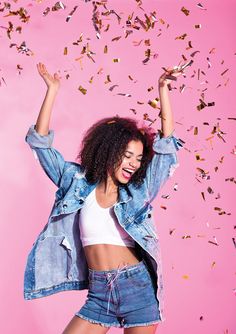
point(123, 297)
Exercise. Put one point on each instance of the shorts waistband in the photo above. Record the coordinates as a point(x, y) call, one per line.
point(122, 271)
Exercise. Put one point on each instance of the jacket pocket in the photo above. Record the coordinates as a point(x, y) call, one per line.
point(53, 260)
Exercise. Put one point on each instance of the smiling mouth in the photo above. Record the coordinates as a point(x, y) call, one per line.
point(127, 173)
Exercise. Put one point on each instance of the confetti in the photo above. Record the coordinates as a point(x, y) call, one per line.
point(116, 60)
point(153, 103)
point(82, 90)
point(185, 276)
point(166, 196)
point(197, 26)
point(124, 94)
point(181, 36)
point(71, 13)
point(199, 5)
point(58, 5)
point(163, 207)
point(185, 11)
point(112, 87)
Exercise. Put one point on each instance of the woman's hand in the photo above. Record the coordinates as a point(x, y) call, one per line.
point(168, 76)
point(52, 82)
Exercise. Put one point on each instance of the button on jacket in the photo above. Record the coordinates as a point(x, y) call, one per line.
point(57, 260)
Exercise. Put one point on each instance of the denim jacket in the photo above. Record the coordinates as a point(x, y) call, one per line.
point(57, 260)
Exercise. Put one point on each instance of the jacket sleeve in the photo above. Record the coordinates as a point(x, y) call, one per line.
point(50, 159)
point(163, 164)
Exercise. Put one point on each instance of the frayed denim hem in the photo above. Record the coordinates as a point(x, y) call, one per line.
point(143, 324)
point(97, 322)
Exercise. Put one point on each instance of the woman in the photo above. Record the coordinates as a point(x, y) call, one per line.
point(100, 234)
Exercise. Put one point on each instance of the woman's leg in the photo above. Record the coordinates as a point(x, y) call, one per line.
point(141, 330)
point(78, 325)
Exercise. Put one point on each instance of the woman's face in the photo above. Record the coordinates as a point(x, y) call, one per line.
point(131, 161)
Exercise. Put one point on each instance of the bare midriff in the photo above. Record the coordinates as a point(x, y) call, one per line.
point(108, 257)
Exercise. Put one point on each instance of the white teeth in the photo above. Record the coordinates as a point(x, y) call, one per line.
point(129, 170)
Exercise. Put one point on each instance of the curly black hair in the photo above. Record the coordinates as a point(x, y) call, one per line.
point(104, 144)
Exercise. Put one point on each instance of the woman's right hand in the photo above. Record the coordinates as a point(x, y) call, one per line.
point(52, 81)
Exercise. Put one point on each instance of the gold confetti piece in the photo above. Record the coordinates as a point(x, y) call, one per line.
point(191, 127)
point(147, 42)
point(201, 318)
point(65, 50)
point(194, 53)
point(185, 276)
point(108, 79)
point(213, 264)
point(116, 39)
point(137, 43)
point(58, 5)
point(218, 196)
point(91, 80)
point(171, 231)
point(209, 189)
point(166, 196)
point(176, 187)
point(198, 26)
point(129, 76)
point(46, 11)
point(196, 131)
point(133, 110)
point(233, 150)
point(116, 60)
point(185, 11)
point(112, 87)
point(234, 242)
point(128, 32)
point(212, 242)
point(212, 50)
point(163, 207)
point(19, 68)
point(124, 94)
point(186, 236)
point(71, 13)
point(78, 40)
point(203, 195)
point(150, 89)
point(19, 29)
point(107, 28)
point(181, 36)
point(199, 158)
point(82, 90)
point(199, 5)
point(221, 159)
point(224, 72)
point(153, 103)
point(105, 49)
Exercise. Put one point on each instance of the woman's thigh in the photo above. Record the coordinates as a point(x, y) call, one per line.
point(141, 330)
point(81, 326)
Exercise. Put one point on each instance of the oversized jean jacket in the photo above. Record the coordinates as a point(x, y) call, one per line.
point(57, 260)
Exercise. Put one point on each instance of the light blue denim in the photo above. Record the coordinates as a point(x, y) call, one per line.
point(57, 261)
point(123, 297)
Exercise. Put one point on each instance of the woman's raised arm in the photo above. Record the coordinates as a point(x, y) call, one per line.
point(53, 84)
point(167, 119)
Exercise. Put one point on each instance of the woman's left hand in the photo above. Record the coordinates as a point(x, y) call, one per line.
point(170, 71)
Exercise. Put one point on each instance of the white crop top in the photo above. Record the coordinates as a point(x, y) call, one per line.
point(100, 226)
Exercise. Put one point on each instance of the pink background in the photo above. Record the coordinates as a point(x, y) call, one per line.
point(199, 276)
